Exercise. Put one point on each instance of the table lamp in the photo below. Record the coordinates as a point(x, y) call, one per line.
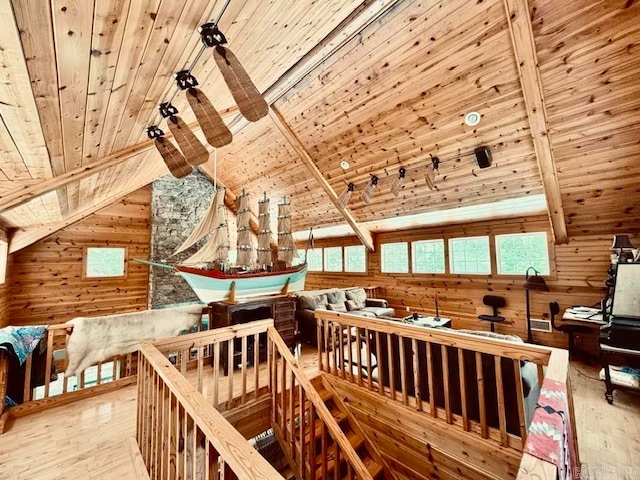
point(622, 245)
point(533, 282)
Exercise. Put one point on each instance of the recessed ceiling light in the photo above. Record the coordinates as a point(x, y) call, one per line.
point(472, 119)
point(344, 165)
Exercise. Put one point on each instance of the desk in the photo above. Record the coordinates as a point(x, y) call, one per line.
point(591, 317)
point(619, 356)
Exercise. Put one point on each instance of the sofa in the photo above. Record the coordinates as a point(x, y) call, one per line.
point(351, 300)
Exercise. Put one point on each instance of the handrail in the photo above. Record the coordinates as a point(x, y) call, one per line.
point(321, 409)
point(232, 447)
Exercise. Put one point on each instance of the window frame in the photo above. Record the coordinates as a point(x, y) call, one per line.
point(444, 256)
point(324, 259)
point(450, 241)
point(309, 269)
point(408, 270)
point(344, 260)
point(4, 260)
point(550, 255)
point(85, 263)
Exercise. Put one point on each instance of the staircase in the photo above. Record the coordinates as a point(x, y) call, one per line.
point(319, 437)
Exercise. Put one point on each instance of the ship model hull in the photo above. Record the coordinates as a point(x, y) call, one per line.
point(215, 286)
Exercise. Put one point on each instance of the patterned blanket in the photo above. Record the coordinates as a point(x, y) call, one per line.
point(550, 436)
point(21, 341)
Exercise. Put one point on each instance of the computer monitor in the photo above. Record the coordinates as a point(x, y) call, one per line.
point(626, 293)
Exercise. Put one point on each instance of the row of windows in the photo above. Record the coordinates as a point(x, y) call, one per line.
point(469, 255)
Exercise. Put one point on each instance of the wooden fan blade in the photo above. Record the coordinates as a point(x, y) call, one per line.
point(214, 129)
point(251, 104)
point(172, 157)
point(194, 152)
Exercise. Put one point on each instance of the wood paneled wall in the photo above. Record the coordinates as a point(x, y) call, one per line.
point(4, 289)
point(577, 279)
point(47, 282)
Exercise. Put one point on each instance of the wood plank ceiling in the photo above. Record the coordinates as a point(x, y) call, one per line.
point(81, 80)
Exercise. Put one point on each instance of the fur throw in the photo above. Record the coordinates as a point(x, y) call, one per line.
point(97, 339)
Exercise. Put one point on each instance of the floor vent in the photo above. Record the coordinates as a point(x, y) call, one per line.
point(540, 325)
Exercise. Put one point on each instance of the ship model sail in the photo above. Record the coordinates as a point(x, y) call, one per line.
point(210, 273)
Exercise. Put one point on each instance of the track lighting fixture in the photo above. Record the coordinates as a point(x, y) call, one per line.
point(367, 193)
point(396, 186)
point(430, 176)
point(345, 196)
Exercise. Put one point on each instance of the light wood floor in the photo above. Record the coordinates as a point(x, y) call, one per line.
point(87, 440)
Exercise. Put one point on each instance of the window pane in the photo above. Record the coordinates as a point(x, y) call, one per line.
point(4, 256)
point(314, 260)
point(395, 257)
point(470, 255)
point(355, 259)
point(428, 256)
point(333, 259)
point(105, 262)
point(520, 251)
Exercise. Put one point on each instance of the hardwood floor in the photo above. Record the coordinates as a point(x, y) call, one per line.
point(87, 440)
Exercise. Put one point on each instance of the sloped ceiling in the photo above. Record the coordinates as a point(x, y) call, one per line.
point(81, 81)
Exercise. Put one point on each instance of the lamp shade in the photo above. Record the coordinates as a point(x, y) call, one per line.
point(621, 242)
point(534, 282)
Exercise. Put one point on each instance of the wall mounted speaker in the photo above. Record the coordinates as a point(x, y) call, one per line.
point(483, 157)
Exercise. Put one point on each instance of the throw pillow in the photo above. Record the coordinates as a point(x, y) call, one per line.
point(359, 296)
point(336, 307)
point(351, 305)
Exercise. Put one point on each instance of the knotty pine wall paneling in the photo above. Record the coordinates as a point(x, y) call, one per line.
point(47, 281)
point(577, 279)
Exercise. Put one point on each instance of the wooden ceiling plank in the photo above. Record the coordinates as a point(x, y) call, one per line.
point(17, 103)
point(109, 24)
point(167, 19)
point(140, 22)
point(362, 233)
point(519, 19)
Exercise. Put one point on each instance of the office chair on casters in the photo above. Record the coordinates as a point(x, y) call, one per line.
point(496, 303)
point(569, 329)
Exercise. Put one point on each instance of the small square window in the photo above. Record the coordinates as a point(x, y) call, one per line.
point(314, 260)
point(355, 259)
point(428, 256)
point(333, 259)
point(519, 251)
point(470, 255)
point(395, 257)
point(105, 262)
point(4, 258)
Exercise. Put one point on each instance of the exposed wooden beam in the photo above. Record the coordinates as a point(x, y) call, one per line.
point(524, 49)
point(362, 16)
point(22, 195)
point(363, 234)
point(230, 201)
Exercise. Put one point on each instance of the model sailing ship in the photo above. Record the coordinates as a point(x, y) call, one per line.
point(209, 272)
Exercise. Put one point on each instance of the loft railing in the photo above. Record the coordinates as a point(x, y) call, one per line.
point(442, 373)
point(181, 435)
point(303, 423)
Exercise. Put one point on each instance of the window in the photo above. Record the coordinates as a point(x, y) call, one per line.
point(105, 262)
point(395, 257)
point(517, 252)
point(333, 259)
point(4, 257)
point(470, 255)
point(314, 260)
point(428, 256)
point(355, 259)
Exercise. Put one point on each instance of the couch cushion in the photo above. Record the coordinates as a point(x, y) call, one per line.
point(311, 302)
point(336, 297)
point(351, 305)
point(337, 307)
point(378, 311)
point(363, 313)
point(358, 295)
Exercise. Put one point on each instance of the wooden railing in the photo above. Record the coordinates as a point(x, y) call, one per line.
point(181, 435)
point(222, 362)
point(303, 423)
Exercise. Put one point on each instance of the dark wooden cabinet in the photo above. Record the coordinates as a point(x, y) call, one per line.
point(280, 308)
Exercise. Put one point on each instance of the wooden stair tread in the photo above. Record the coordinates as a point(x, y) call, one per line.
point(374, 467)
point(355, 441)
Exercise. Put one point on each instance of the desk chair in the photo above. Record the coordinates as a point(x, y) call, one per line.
point(496, 303)
point(569, 329)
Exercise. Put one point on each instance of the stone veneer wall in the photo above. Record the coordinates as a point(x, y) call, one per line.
point(176, 207)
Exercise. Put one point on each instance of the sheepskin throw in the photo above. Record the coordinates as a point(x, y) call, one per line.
point(97, 339)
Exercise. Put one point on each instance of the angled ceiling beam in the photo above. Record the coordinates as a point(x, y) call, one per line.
point(362, 16)
point(524, 49)
point(363, 234)
point(23, 195)
point(230, 202)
